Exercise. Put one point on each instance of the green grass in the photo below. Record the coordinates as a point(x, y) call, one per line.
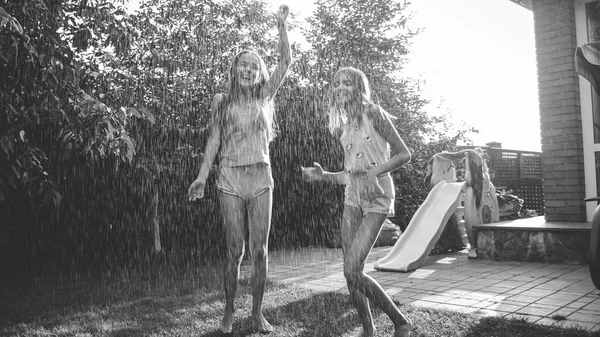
point(191, 304)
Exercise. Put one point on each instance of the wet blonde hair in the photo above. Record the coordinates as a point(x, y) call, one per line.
point(361, 97)
point(361, 94)
point(263, 106)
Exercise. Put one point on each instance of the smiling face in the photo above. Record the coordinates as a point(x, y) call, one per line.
point(247, 70)
point(343, 88)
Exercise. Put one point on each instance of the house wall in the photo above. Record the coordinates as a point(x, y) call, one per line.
point(560, 110)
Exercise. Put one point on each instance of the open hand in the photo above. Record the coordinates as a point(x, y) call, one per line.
point(196, 190)
point(371, 189)
point(312, 173)
point(282, 14)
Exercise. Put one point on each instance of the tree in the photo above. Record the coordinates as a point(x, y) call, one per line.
point(48, 122)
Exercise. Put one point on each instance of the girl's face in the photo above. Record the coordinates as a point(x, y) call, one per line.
point(247, 70)
point(343, 90)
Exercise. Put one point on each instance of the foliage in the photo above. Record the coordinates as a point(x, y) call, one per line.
point(50, 125)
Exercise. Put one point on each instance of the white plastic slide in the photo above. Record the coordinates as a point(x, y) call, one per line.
point(424, 229)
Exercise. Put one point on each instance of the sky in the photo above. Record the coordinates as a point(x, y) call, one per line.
point(475, 59)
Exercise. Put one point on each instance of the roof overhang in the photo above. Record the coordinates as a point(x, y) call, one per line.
point(523, 3)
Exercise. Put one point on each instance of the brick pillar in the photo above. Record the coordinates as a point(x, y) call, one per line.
point(560, 111)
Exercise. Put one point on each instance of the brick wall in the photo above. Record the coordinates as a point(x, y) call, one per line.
point(558, 84)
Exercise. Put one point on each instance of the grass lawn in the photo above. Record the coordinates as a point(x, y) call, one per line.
point(191, 304)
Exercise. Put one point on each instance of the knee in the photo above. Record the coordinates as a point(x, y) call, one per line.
point(235, 252)
point(259, 252)
point(352, 274)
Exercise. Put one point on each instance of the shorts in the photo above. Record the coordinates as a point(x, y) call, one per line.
point(246, 181)
point(383, 204)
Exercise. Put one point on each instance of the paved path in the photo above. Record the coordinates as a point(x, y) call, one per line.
point(536, 291)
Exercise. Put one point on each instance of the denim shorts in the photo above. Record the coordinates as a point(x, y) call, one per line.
point(383, 203)
point(246, 181)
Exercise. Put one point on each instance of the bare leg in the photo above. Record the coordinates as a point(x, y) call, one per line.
point(232, 211)
point(351, 220)
point(259, 224)
point(471, 218)
point(472, 254)
point(354, 261)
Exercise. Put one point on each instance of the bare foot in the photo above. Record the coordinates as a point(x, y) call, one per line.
point(403, 330)
point(261, 324)
point(227, 322)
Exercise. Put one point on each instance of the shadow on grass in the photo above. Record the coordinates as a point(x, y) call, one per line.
point(121, 306)
point(131, 316)
point(497, 326)
point(433, 323)
point(37, 303)
point(191, 310)
point(309, 315)
point(331, 314)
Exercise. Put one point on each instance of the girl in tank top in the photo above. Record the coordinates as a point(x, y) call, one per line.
point(241, 130)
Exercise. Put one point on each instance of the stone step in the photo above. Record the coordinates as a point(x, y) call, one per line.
point(534, 240)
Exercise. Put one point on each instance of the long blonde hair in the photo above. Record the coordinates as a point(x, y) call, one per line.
point(361, 97)
point(263, 106)
point(338, 116)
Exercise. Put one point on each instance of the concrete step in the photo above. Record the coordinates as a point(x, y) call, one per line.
point(534, 240)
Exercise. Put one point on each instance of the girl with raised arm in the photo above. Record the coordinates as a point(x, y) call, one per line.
point(241, 130)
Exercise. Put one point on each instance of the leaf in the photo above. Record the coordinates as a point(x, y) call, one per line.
point(110, 127)
point(130, 148)
point(64, 115)
point(67, 137)
point(57, 198)
point(133, 111)
point(7, 145)
point(121, 115)
point(149, 116)
point(6, 18)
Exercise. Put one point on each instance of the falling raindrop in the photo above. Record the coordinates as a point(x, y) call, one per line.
point(107, 120)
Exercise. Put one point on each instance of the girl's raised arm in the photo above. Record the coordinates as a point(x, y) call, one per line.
point(286, 55)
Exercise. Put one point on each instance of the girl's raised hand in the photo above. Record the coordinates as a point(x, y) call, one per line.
point(312, 173)
point(282, 14)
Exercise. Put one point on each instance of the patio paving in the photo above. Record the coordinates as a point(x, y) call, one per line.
point(535, 291)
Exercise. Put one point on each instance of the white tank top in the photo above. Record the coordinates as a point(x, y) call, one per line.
point(245, 140)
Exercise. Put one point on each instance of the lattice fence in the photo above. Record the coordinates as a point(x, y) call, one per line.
point(512, 168)
point(509, 165)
